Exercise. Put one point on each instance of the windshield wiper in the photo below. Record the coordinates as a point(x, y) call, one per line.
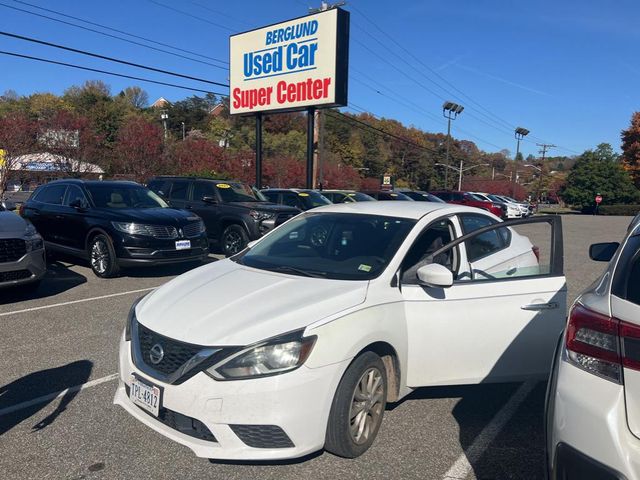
point(297, 271)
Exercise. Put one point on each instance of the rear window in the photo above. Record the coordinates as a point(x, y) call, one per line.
point(52, 194)
point(633, 283)
point(179, 190)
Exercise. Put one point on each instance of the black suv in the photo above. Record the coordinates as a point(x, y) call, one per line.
point(114, 224)
point(233, 212)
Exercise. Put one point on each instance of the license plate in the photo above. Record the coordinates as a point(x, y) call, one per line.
point(183, 244)
point(145, 395)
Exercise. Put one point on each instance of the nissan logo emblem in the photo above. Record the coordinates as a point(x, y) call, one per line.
point(156, 354)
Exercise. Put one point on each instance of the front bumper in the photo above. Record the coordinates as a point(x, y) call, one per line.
point(139, 251)
point(297, 402)
point(588, 426)
point(31, 267)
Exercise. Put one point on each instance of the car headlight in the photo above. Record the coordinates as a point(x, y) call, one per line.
point(259, 216)
point(33, 240)
point(131, 318)
point(133, 228)
point(277, 355)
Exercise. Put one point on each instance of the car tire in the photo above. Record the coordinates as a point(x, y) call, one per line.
point(102, 257)
point(234, 239)
point(358, 407)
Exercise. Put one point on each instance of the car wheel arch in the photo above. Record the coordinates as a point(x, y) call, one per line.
point(391, 362)
point(92, 234)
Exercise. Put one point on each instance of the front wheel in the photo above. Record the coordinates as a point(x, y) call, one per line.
point(102, 257)
point(234, 239)
point(358, 407)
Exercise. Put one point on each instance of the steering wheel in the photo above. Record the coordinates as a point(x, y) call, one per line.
point(319, 235)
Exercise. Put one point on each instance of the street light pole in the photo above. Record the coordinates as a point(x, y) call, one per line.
point(164, 116)
point(183, 135)
point(460, 170)
point(520, 134)
point(450, 111)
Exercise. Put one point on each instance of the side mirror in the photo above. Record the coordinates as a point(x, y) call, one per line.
point(78, 204)
point(435, 275)
point(603, 252)
point(209, 199)
point(9, 205)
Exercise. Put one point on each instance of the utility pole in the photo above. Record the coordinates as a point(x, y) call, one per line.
point(543, 151)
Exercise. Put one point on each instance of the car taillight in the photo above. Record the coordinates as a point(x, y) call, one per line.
point(536, 251)
point(602, 345)
point(21, 210)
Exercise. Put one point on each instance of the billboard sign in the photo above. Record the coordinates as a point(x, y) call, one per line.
point(292, 65)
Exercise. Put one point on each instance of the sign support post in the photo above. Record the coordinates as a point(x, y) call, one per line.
point(259, 150)
point(311, 111)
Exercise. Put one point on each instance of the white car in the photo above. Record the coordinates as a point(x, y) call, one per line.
point(593, 398)
point(298, 342)
point(513, 210)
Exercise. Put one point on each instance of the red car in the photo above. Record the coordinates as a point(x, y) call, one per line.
point(466, 198)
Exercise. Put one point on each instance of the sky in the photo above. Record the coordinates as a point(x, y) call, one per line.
point(565, 70)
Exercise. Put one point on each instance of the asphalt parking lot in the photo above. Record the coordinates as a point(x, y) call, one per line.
point(66, 335)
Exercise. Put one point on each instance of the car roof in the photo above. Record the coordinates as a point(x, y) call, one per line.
point(288, 190)
point(414, 210)
point(178, 177)
point(79, 181)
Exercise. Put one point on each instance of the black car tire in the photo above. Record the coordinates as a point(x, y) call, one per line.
point(234, 239)
point(102, 257)
point(349, 404)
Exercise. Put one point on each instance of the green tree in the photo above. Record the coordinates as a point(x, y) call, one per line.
point(631, 148)
point(598, 172)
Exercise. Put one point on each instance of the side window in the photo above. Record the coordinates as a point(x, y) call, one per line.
point(75, 194)
point(161, 187)
point(485, 244)
point(431, 239)
point(52, 194)
point(458, 197)
point(445, 196)
point(633, 282)
point(203, 189)
point(179, 190)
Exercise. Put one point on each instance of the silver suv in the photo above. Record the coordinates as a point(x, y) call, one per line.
point(22, 258)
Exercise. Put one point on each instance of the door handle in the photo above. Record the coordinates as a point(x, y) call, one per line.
point(540, 306)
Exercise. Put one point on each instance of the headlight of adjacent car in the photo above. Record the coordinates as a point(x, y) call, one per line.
point(131, 318)
point(132, 228)
point(277, 355)
point(33, 240)
point(259, 216)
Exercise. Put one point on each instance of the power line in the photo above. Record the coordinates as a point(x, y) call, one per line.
point(182, 12)
point(120, 31)
point(111, 59)
point(112, 36)
point(106, 72)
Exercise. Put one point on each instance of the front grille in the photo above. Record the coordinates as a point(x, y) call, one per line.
point(283, 217)
point(14, 275)
point(178, 253)
point(12, 249)
point(182, 423)
point(162, 232)
point(194, 229)
point(262, 436)
point(176, 353)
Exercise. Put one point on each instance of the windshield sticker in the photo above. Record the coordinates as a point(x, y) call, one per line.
point(364, 268)
point(293, 235)
point(223, 185)
point(303, 194)
point(351, 194)
point(393, 194)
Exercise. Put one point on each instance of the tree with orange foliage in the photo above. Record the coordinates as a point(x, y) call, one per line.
point(631, 148)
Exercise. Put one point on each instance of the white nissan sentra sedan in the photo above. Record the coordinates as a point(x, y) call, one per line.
point(298, 342)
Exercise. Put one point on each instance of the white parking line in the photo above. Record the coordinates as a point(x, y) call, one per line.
point(463, 465)
point(54, 395)
point(43, 307)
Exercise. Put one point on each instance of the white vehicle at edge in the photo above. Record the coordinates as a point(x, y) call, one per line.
point(593, 398)
point(298, 342)
point(513, 210)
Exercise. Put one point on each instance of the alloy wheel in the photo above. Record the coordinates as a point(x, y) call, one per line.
point(232, 242)
point(100, 256)
point(366, 406)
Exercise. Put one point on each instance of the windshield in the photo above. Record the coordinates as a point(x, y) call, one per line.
point(360, 197)
point(313, 199)
point(124, 196)
point(495, 198)
point(343, 246)
point(239, 192)
point(424, 197)
point(475, 196)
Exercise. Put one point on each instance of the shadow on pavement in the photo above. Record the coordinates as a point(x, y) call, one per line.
point(163, 270)
point(38, 384)
point(58, 279)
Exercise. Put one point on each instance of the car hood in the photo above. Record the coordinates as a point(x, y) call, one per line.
point(158, 216)
point(225, 303)
point(11, 225)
